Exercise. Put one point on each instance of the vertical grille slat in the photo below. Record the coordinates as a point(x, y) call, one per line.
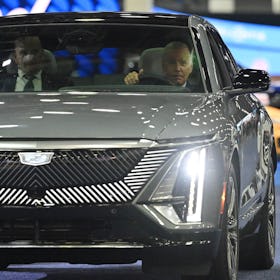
point(52, 198)
point(59, 177)
point(107, 169)
point(94, 195)
point(74, 193)
point(70, 196)
point(96, 173)
point(57, 196)
point(20, 200)
point(16, 196)
point(79, 177)
point(81, 195)
point(125, 193)
point(48, 200)
point(27, 200)
point(117, 192)
point(2, 190)
point(102, 194)
point(118, 165)
point(5, 193)
point(86, 164)
point(111, 194)
point(127, 188)
point(68, 168)
point(60, 192)
point(6, 199)
point(88, 195)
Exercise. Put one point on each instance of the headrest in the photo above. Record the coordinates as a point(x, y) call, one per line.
point(49, 61)
point(151, 61)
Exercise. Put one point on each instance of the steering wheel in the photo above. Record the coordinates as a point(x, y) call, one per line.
point(151, 79)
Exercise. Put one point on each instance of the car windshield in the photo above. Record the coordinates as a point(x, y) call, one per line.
point(96, 56)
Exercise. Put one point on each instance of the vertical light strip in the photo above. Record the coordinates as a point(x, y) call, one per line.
point(199, 182)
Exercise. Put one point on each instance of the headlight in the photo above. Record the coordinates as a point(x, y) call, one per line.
point(179, 194)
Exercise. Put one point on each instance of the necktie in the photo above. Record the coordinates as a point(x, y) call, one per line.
point(29, 86)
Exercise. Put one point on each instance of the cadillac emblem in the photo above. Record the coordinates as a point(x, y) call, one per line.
point(35, 158)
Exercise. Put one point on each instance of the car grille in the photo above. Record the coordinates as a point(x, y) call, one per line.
point(79, 177)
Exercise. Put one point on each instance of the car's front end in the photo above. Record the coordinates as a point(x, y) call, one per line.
point(66, 195)
point(112, 204)
point(100, 170)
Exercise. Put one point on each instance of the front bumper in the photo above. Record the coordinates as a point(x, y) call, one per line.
point(103, 234)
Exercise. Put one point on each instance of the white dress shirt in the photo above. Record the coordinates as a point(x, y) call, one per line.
point(22, 80)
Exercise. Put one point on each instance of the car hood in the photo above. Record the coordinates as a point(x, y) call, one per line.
point(103, 116)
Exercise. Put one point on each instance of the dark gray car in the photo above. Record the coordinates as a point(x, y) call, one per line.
point(96, 170)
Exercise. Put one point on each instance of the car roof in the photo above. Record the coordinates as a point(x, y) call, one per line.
point(110, 17)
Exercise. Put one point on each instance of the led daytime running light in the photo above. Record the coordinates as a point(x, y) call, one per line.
point(179, 194)
point(196, 185)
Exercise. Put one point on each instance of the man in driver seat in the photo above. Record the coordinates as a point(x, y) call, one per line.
point(177, 65)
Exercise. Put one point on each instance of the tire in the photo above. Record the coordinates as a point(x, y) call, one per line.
point(262, 252)
point(266, 240)
point(225, 265)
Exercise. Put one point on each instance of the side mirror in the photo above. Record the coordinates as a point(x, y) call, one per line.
point(257, 80)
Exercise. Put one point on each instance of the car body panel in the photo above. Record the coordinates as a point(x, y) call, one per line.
point(53, 117)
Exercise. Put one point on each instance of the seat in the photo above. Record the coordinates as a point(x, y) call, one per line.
point(151, 61)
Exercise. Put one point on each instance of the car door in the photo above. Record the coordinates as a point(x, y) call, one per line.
point(245, 112)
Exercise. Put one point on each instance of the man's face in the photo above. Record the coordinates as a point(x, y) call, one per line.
point(28, 55)
point(177, 65)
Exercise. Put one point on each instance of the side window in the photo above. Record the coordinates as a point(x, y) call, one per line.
point(200, 56)
point(230, 62)
point(226, 66)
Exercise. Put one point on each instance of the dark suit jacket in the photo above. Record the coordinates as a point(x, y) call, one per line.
point(49, 82)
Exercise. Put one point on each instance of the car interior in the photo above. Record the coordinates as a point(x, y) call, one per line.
point(96, 57)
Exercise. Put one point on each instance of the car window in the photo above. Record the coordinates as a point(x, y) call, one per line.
point(223, 59)
point(88, 56)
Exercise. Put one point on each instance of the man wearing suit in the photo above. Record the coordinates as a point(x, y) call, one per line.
point(177, 65)
point(30, 73)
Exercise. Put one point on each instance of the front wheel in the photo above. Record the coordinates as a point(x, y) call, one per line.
point(225, 266)
point(262, 251)
point(268, 228)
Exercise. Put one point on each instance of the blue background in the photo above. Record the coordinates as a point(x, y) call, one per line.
point(62, 5)
point(252, 45)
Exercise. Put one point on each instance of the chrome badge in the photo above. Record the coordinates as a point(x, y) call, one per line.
point(35, 158)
